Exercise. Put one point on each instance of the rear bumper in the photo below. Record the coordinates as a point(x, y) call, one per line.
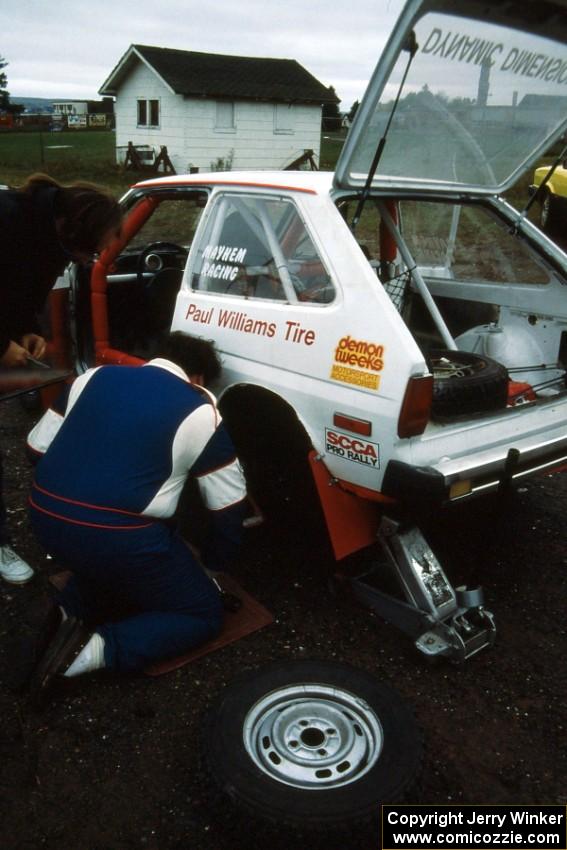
point(454, 481)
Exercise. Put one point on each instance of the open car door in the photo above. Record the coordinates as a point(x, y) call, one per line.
point(126, 302)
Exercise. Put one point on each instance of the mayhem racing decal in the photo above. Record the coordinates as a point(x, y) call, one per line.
point(222, 262)
point(352, 448)
point(358, 362)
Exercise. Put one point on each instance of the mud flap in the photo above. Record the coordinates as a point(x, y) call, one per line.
point(352, 522)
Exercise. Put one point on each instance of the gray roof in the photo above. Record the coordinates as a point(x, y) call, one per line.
point(235, 77)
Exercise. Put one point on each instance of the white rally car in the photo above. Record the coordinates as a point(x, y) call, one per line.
point(395, 327)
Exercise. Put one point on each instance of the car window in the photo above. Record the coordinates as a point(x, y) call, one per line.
point(479, 98)
point(256, 247)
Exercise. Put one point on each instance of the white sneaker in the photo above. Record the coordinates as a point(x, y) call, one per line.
point(91, 657)
point(12, 568)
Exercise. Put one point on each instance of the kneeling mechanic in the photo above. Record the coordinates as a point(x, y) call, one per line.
point(101, 505)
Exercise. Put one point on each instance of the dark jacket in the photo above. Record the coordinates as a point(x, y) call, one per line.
point(31, 259)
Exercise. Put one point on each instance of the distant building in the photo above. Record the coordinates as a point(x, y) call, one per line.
point(215, 111)
point(70, 107)
point(83, 107)
point(84, 113)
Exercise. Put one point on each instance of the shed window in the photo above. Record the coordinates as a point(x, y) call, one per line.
point(148, 113)
point(154, 113)
point(283, 118)
point(225, 115)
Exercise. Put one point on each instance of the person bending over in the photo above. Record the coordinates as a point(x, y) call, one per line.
point(102, 501)
point(43, 227)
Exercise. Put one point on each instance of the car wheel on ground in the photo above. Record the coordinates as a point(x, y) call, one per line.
point(311, 745)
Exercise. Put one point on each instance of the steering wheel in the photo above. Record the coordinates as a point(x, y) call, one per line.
point(157, 264)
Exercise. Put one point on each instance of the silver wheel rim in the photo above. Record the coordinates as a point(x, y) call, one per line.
point(446, 368)
point(313, 736)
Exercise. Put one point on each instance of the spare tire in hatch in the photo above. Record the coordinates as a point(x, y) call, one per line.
point(466, 383)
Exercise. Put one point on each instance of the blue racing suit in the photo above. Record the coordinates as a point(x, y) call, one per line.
point(103, 497)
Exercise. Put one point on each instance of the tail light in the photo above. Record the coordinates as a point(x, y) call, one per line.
point(416, 406)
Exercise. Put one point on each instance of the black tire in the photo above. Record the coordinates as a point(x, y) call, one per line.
point(466, 383)
point(311, 745)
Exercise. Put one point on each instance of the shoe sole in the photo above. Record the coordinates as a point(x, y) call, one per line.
point(59, 654)
point(18, 580)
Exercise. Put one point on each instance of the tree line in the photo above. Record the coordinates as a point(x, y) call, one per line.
point(5, 105)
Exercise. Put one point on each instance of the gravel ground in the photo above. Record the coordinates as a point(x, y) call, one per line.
point(114, 763)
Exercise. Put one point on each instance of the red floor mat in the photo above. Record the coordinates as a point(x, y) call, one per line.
point(251, 617)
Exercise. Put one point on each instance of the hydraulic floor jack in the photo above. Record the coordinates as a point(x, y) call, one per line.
point(442, 620)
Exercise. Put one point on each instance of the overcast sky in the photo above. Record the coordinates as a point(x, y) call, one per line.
point(68, 48)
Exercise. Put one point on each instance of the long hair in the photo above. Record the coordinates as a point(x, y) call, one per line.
point(85, 211)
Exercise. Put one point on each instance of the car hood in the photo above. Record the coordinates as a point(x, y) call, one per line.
point(484, 96)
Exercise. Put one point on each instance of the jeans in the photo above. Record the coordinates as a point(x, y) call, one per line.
point(141, 589)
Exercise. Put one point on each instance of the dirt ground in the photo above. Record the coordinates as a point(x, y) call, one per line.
point(114, 763)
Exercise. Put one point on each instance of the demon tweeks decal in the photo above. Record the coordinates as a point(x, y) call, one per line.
point(358, 362)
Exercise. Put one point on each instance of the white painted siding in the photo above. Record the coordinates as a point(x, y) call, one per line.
point(187, 127)
point(143, 83)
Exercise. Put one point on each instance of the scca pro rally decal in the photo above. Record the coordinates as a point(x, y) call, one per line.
point(358, 362)
point(352, 448)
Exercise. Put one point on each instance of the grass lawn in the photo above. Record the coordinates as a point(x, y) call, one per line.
point(68, 155)
point(89, 155)
point(331, 145)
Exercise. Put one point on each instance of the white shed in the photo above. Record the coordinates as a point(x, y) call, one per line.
point(70, 107)
point(216, 112)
